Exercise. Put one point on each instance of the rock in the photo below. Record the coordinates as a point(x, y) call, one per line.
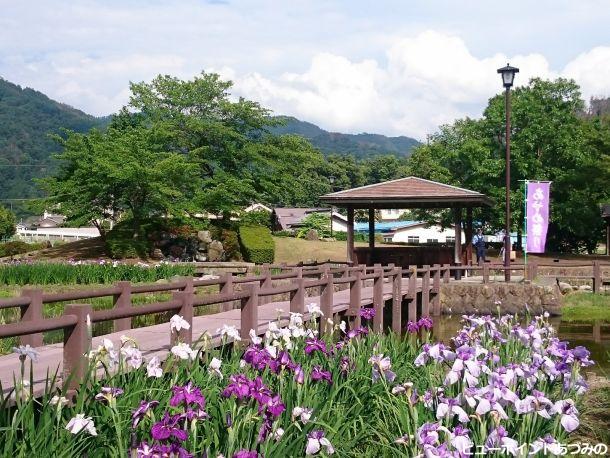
point(157, 254)
point(209, 277)
point(204, 236)
point(564, 287)
point(312, 234)
point(162, 281)
point(176, 251)
point(215, 251)
point(200, 257)
point(585, 288)
point(202, 246)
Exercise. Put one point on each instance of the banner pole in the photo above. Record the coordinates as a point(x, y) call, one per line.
point(525, 222)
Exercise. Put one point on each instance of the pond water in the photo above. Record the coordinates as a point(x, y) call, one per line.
point(594, 337)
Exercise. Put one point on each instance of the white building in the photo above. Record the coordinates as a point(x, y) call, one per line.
point(420, 232)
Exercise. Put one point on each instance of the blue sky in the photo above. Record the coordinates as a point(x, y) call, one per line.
point(392, 67)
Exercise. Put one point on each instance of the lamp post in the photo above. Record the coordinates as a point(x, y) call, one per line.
point(331, 179)
point(508, 76)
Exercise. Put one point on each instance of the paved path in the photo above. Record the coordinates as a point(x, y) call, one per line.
point(154, 340)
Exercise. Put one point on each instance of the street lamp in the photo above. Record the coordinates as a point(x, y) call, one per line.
point(331, 180)
point(508, 76)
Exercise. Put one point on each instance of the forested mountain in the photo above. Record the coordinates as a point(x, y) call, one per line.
point(359, 145)
point(27, 118)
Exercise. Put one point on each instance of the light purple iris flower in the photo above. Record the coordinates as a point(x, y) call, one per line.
point(460, 440)
point(569, 414)
point(299, 375)
point(536, 402)
point(498, 439)
point(382, 367)
point(488, 402)
point(449, 407)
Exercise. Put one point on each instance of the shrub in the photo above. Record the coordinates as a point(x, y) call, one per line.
point(230, 243)
point(318, 221)
point(358, 236)
point(257, 244)
point(19, 247)
point(257, 218)
point(283, 234)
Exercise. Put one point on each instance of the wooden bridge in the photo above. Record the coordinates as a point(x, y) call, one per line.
point(248, 302)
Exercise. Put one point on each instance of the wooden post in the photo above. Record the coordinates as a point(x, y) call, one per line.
point(412, 294)
point(485, 272)
point(436, 287)
point(371, 232)
point(33, 313)
point(469, 235)
point(457, 251)
point(425, 292)
point(326, 304)
point(266, 283)
point(597, 277)
point(397, 301)
point(122, 300)
point(378, 300)
point(228, 288)
point(355, 299)
point(297, 298)
point(77, 343)
point(350, 234)
point(249, 312)
point(446, 273)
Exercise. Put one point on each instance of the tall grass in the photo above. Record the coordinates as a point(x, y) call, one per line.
point(87, 273)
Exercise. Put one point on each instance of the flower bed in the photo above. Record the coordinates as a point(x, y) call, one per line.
point(79, 272)
point(499, 388)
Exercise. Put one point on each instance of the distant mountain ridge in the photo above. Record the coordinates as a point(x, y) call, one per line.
point(359, 145)
point(28, 117)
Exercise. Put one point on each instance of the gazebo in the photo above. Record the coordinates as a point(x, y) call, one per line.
point(606, 217)
point(407, 193)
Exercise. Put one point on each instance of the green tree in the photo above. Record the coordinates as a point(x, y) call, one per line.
point(7, 223)
point(548, 142)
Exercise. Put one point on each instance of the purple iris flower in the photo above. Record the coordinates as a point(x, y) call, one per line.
point(265, 429)
point(367, 313)
point(345, 365)
point(569, 414)
point(157, 450)
point(425, 323)
point(168, 427)
point(246, 454)
point(427, 434)
point(318, 374)
point(259, 391)
point(273, 407)
point(412, 327)
point(195, 414)
point(299, 375)
point(312, 345)
point(239, 385)
point(460, 440)
point(141, 411)
point(283, 360)
point(360, 331)
point(187, 394)
point(257, 357)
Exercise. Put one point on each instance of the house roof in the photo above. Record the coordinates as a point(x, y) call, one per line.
point(409, 192)
point(288, 218)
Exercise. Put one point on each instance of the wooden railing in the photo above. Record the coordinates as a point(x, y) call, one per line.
point(423, 283)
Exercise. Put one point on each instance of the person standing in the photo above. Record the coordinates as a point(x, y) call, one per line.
point(478, 241)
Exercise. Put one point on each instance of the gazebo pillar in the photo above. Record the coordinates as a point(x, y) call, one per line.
point(469, 235)
point(608, 237)
point(371, 229)
point(457, 251)
point(350, 234)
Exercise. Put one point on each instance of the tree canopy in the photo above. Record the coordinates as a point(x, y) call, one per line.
point(7, 223)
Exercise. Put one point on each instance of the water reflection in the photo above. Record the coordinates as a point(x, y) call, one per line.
point(595, 337)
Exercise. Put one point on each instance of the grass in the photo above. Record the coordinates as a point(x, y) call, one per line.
point(293, 250)
point(586, 307)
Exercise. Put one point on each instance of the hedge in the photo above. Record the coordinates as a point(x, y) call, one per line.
point(257, 245)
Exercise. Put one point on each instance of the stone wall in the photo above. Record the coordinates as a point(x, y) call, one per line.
point(466, 298)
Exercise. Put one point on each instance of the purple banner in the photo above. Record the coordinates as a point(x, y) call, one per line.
point(537, 215)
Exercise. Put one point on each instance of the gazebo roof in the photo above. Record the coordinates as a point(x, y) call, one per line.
point(409, 192)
